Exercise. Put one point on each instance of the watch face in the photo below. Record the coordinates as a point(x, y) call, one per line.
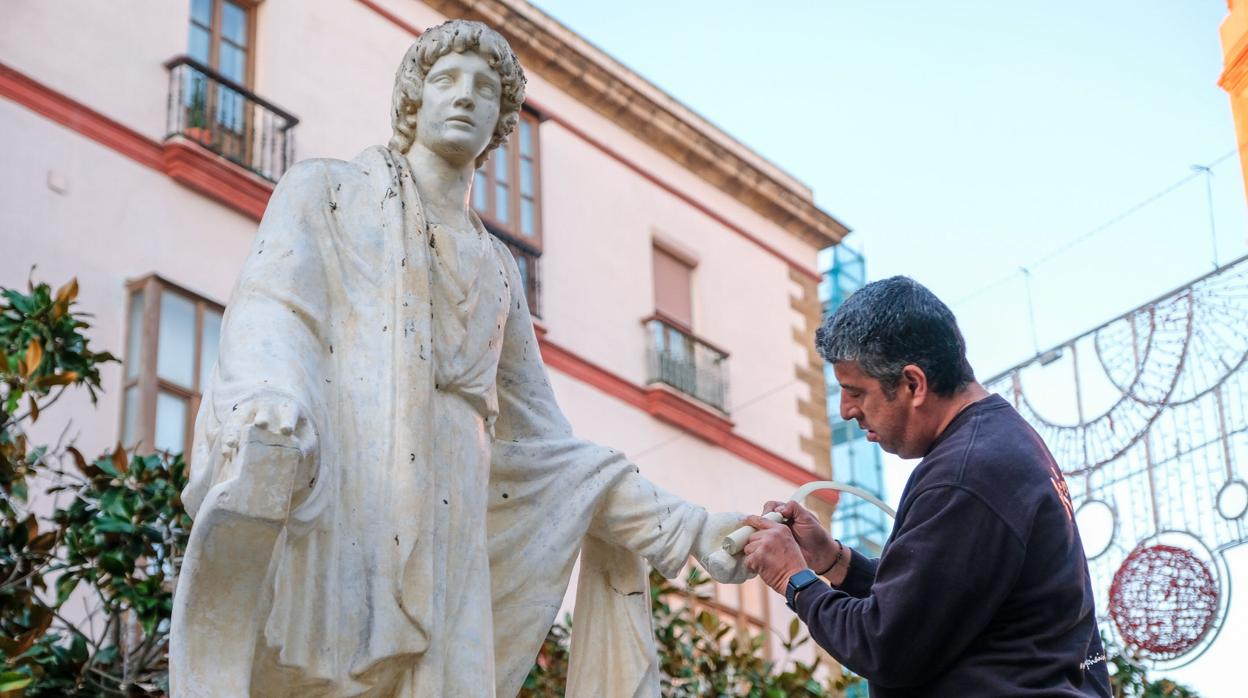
point(803, 579)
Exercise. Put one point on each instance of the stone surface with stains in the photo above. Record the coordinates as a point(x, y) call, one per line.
point(399, 513)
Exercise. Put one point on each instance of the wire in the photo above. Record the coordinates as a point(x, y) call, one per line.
point(1127, 213)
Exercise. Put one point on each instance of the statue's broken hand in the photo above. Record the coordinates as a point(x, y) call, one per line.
point(709, 552)
point(274, 417)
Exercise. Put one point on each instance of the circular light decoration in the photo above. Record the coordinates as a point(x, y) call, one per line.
point(1233, 499)
point(1163, 601)
point(1097, 525)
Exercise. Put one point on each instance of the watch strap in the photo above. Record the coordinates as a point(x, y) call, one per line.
point(799, 581)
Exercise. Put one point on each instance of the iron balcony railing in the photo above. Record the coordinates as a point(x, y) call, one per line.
point(679, 359)
point(229, 119)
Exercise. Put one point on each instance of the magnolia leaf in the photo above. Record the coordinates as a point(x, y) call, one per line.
point(64, 587)
point(81, 463)
point(42, 619)
point(67, 293)
point(34, 410)
point(707, 620)
point(34, 357)
point(54, 380)
point(13, 681)
point(112, 524)
point(794, 627)
point(4, 361)
point(43, 542)
point(119, 459)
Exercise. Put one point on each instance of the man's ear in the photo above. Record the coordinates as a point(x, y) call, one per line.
point(914, 380)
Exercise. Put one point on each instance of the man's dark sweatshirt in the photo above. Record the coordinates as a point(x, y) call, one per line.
point(982, 589)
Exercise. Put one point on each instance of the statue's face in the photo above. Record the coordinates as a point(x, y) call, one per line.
point(459, 107)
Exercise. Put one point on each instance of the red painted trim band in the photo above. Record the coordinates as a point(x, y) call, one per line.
point(76, 116)
point(186, 162)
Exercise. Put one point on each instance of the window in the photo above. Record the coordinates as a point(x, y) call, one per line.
point(216, 97)
point(171, 348)
point(222, 36)
point(678, 357)
point(505, 193)
point(673, 283)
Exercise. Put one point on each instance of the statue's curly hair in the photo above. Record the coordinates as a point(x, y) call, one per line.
point(460, 36)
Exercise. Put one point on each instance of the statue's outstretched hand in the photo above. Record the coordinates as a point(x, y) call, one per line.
point(709, 551)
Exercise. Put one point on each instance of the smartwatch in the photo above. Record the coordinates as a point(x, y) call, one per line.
point(797, 582)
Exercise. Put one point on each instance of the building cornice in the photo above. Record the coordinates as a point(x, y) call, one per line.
point(571, 64)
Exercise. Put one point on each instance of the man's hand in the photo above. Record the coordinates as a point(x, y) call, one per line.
point(773, 553)
point(816, 543)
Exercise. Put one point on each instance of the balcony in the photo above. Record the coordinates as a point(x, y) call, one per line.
point(229, 119)
point(685, 363)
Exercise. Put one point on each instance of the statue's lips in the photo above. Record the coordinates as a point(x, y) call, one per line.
point(460, 120)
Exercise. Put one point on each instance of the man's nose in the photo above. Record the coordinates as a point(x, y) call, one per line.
point(849, 410)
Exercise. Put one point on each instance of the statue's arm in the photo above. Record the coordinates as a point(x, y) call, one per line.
point(271, 353)
point(634, 513)
point(527, 406)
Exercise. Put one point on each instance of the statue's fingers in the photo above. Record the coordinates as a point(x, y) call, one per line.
point(265, 416)
point(234, 422)
point(229, 435)
point(287, 414)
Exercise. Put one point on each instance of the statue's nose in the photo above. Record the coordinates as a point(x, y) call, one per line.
point(464, 99)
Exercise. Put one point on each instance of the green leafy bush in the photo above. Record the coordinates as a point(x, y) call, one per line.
point(700, 654)
point(85, 592)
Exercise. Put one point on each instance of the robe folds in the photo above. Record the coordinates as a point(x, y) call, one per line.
point(434, 525)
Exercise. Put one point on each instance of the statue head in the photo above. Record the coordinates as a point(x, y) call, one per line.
point(468, 40)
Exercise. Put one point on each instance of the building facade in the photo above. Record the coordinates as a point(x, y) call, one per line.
point(1234, 79)
point(672, 269)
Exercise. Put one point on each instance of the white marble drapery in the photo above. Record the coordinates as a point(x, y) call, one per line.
point(433, 531)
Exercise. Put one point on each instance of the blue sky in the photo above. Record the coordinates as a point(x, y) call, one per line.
point(964, 139)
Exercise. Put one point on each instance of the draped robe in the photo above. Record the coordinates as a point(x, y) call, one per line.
point(432, 532)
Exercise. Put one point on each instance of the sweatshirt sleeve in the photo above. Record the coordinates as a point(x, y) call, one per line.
point(861, 575)
point(936, 587)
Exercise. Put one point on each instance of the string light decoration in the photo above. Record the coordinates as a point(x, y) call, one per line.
point(1147, 415)
point(1163, 601)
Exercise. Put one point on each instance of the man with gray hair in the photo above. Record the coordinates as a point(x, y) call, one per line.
point(983, 588)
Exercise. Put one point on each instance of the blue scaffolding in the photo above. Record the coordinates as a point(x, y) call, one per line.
point(855, 461)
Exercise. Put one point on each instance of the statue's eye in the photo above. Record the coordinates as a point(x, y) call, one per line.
point(488, 89)
point(442, 80)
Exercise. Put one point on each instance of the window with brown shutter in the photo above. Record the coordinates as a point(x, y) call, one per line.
point(673, 288)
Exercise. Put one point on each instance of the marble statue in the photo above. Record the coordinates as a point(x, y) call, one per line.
point(387, 499)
